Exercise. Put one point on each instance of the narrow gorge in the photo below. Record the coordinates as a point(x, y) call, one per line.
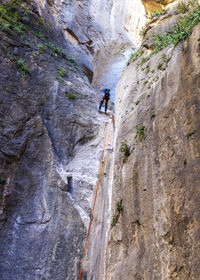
point(57, 152)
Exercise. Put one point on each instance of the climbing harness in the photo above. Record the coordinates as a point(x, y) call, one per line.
point(97, 186)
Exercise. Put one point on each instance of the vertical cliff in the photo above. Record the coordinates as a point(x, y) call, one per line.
point(51, 134)
point(45, 98)
point(156, 154)
point(54, 56)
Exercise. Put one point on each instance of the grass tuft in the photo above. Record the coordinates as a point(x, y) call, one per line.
point(180, 32)
point(2, 180)
point(182, 7)
point(136, 55)
point(62, 72)
point(158, 14)
point(190, 133)
point(125, 150)
point(140, 131)
point(22, 66)
point(71, 95)
point(119, 209)
point(42, 48)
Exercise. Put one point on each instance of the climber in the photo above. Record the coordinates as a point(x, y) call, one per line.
point(105, 97)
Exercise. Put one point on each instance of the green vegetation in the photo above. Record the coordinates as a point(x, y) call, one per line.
point(194, 3)
point(143, 60)
point(3, 125)
point(69, 63)
point(137, 102)
point(25, 19)
point(136, 55)
point(140, 131)
point(49, 45)
point(159, 66)
point(62, 72)
point(158, 14)
point(11, 17)
point(182, 7)
point(190, 133)
point(22, 66)
point(58, 52)
point(153, 116)
point(163, 65)
point(143, 31)
point(165, 58)
point(115, 219)
point(42, 48)
point(2, 180)
point(4, 26)
point(125, 150)
point(180, 32)
point(119, 206)
point(161, 2)
point(147, 70)
point(71, 95)
point(119, 209)
point(40, 36)
point(19, 28)
point(71, 59)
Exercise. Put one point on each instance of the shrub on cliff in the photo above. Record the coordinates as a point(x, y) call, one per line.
point(22, 66)
point(125, 150)
point(140, 131)
point(71, 95)
point(180, 32)
point(119, 209)
point(62, 72)
point(182, 7)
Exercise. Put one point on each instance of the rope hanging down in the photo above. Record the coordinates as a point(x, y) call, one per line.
point(97, 186)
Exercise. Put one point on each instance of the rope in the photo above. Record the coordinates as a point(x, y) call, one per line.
point(97, 186)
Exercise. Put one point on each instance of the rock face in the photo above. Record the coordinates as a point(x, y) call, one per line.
point(120, 23)
point(44, 123)
point(152, 6)
point(157, 114)
point(52, 138)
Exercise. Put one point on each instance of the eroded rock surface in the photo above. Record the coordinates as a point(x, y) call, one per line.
point(45, 99)
point(51, 141)
point(157, 114)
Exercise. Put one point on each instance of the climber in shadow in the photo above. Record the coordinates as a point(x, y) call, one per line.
point(106, 98)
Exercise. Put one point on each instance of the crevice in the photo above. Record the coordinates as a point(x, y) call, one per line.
point(51, 140)
point(33, 222)
point(70, 188)
point(88, 73)
point(72, 34)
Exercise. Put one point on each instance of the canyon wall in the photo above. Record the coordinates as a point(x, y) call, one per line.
point(46, 189)
point(54, 56)
point(51, 134)
point(157, 121)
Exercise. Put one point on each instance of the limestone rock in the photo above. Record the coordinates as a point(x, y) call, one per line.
point(159, 182)
point(45, 98)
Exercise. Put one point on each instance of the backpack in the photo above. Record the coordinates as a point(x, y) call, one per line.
point(107, 94)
